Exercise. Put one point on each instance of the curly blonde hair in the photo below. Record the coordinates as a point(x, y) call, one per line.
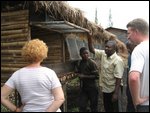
point(34, 51)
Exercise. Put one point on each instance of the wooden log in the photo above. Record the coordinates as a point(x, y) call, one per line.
point(10, 51)
point(4, 79)
point(23, 18)
point(9, 69)
point(14, 36)
point(7, 56)
point(54, 57)
point(52, 62)
point(11, 59)
point(15, 22)
point(21, 12)
point(17, 39)
point(6, 74)
point(16, 64)
point(12, 27)
point(11, 32)
point(13, 65)
point(55, 46)
point(2, 83)
point(13, 62)
point(13, 44)
point(53, 51)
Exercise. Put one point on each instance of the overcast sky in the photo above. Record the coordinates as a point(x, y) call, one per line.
point(121, 11)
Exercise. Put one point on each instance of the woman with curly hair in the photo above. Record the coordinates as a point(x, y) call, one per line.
point(38, 86)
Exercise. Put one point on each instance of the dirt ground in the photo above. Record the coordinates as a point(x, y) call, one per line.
point(73, 93)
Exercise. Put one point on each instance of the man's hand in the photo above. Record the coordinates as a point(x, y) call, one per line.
point(114, 97)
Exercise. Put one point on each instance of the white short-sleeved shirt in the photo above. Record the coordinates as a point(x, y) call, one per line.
point(35, 85)
point(140, 63)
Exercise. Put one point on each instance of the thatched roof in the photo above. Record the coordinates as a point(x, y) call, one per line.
point(60, 10)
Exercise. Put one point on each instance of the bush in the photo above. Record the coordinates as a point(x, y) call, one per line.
point(4, 109)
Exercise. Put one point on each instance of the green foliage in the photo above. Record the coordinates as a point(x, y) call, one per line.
point(72, 95)
point(75, 109)
point(12, 98)
point(4, 109)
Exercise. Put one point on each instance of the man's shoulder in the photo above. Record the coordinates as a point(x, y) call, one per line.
point(77, 62)
point(117, 56)
point(99, 50)
point(91, 59)
point(118, 59)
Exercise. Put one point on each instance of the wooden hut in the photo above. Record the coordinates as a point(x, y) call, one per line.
point(63, 28)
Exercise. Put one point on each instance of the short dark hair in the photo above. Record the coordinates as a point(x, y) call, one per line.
point(83, 49)
point(113, 42)
point(140, 24)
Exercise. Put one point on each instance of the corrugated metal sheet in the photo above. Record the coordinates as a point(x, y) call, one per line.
point(60, 26)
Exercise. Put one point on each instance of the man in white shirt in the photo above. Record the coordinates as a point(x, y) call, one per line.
point(138, 33)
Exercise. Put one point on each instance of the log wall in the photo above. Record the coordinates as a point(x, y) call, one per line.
point(15, 32)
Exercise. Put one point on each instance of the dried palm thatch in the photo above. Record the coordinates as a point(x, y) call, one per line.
point(122, 51)
point(61, 11)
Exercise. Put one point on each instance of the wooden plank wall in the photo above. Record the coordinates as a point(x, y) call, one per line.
point(14, 33)
point(54, 42)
